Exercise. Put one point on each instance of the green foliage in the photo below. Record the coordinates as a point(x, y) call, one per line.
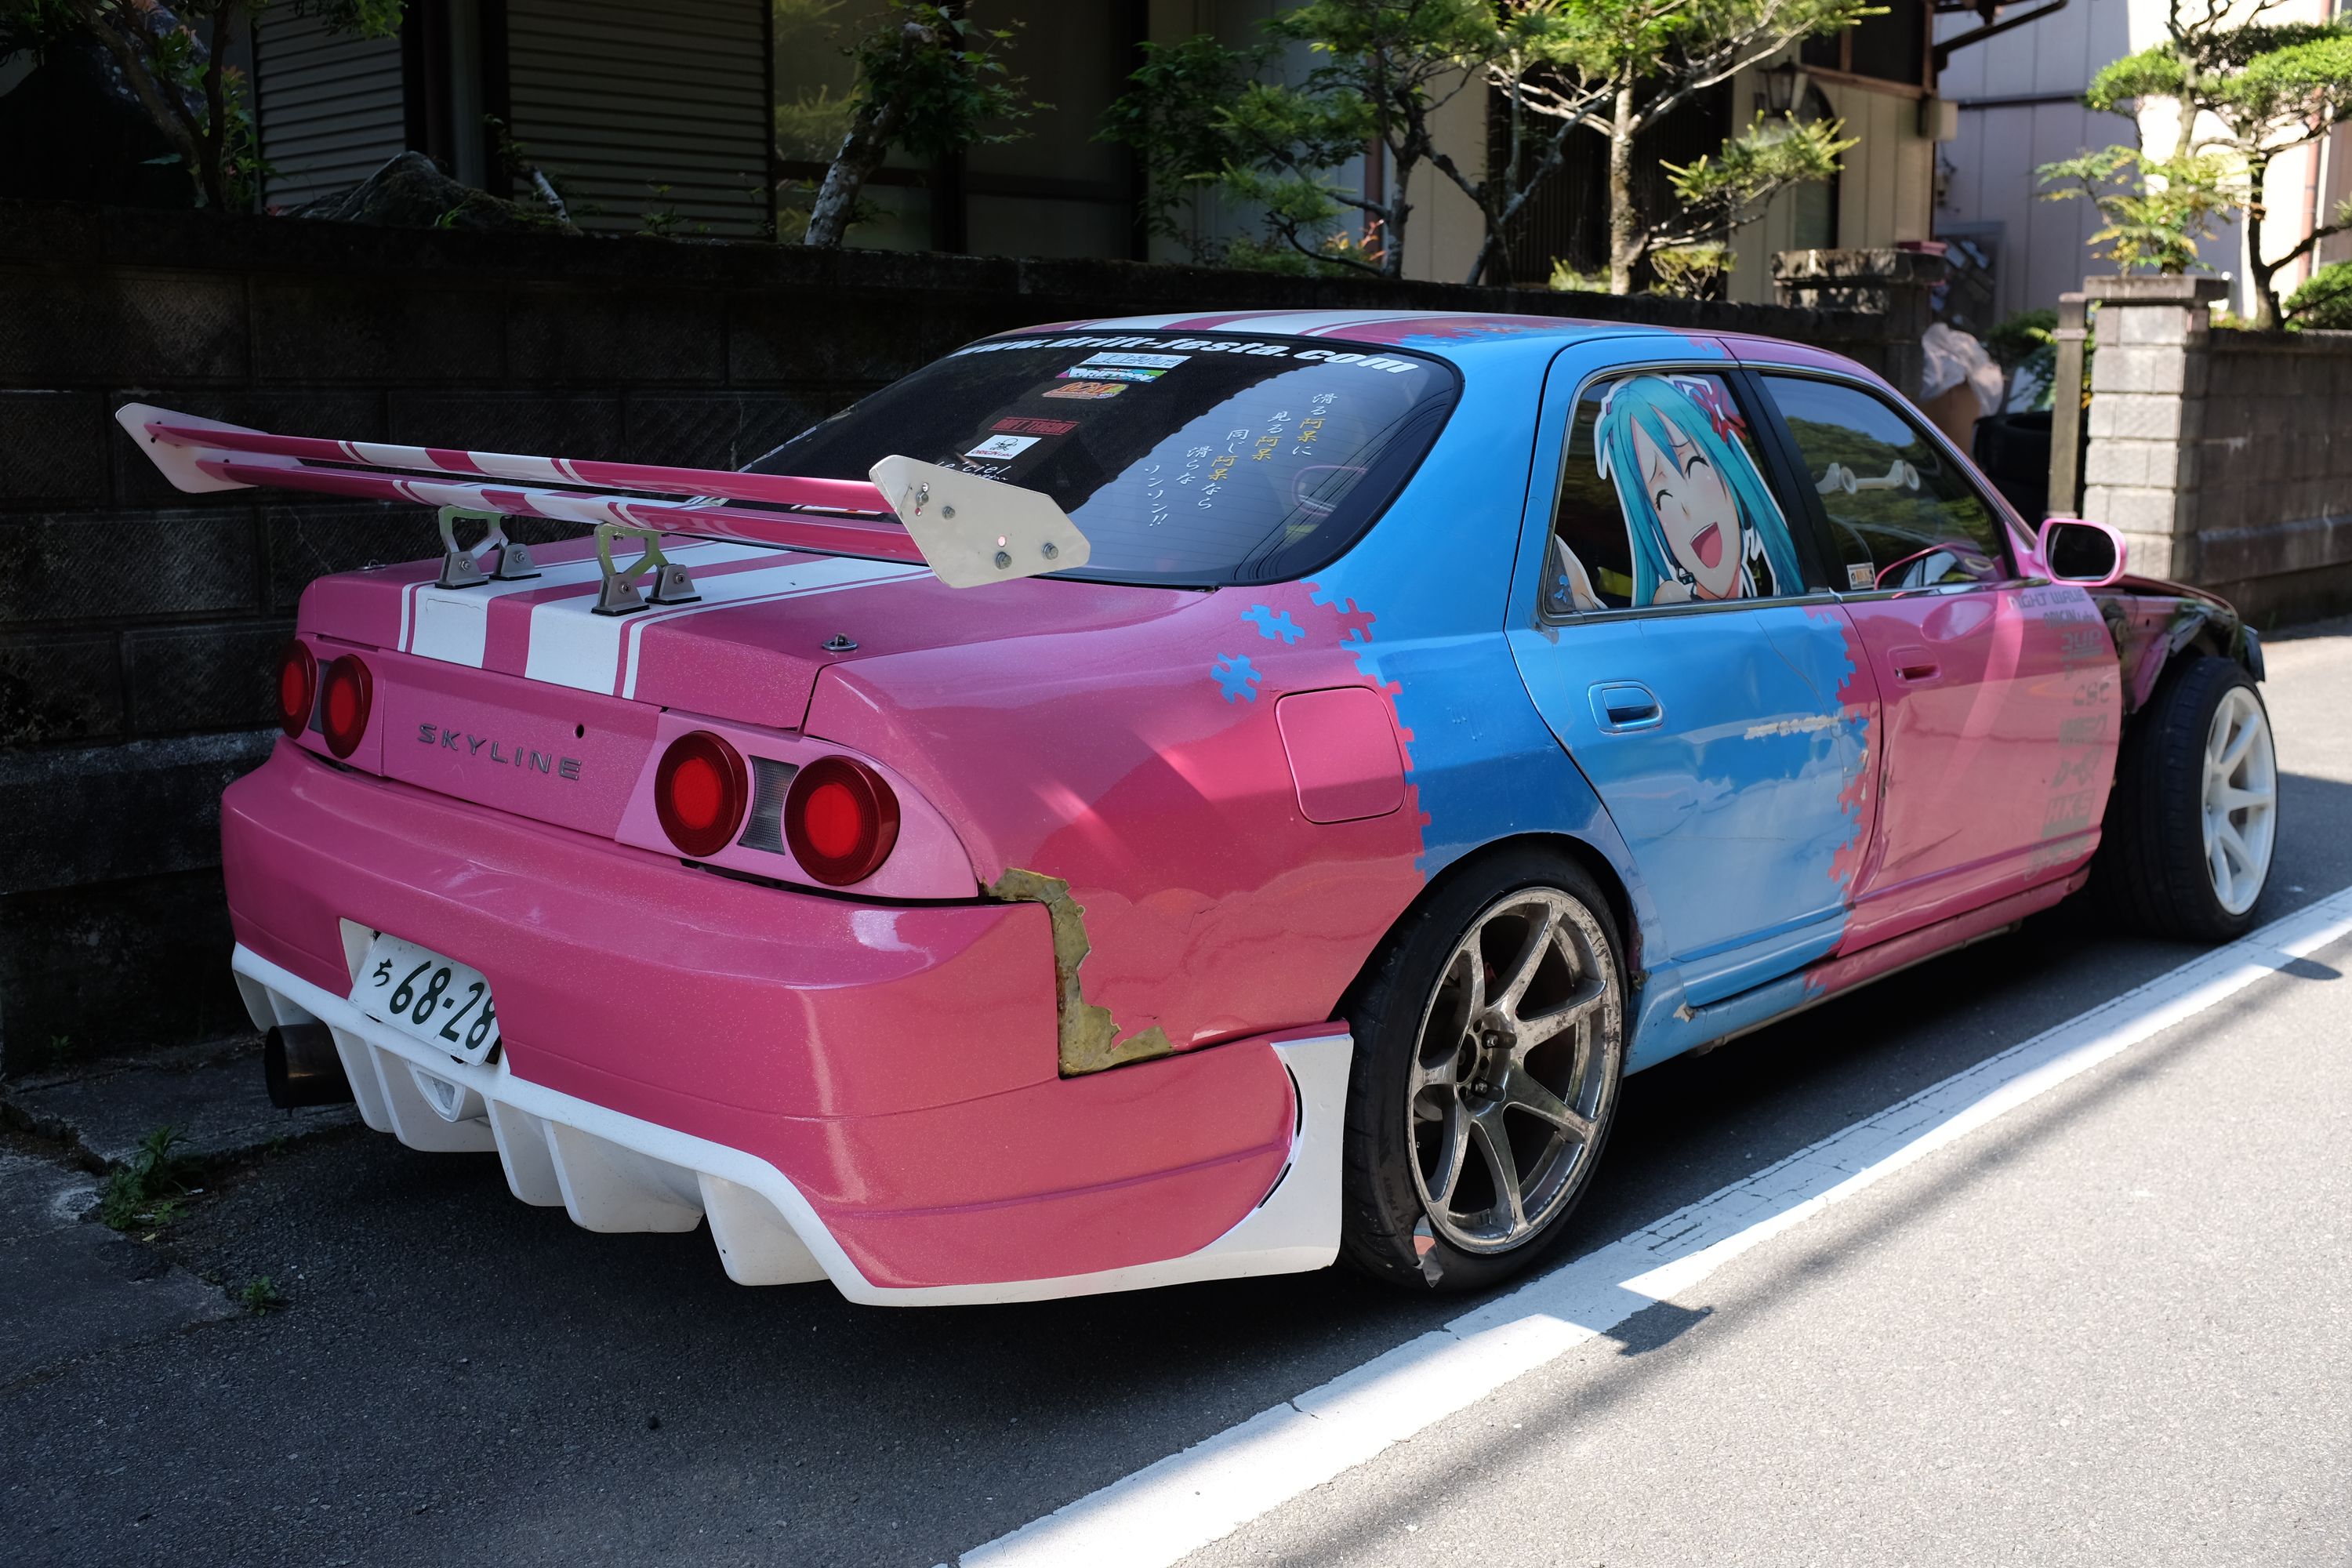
point(2025, 346)
point(929, 80)
point(1691, 271)
point(260, 1295)
point(949, 78)
point(2156, 209)
point(2324, 301)
point(1566, 279)
point(146, 1192)
point(169, 58)
point(2246, 90)
point(1737, 182)
point(1175, 117)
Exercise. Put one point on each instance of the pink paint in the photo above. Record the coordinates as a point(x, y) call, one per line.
point(1215, 908)
point(475, 735)
point(897, 1064)
point(777, 490)
point(1342, 749)
point(927, 863)
point(2001, 712)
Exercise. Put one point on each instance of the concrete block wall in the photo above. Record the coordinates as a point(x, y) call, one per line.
point(2222, 456)
point(139, 627)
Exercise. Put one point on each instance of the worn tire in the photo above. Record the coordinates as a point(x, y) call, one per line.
point(2152, 864)
point(1386, 1228)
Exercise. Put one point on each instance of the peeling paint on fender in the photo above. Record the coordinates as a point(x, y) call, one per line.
point(1090, 1037)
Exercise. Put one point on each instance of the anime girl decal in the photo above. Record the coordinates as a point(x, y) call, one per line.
point(1703, 524)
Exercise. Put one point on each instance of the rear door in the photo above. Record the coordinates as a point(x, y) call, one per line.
point(2000, 705)
point(1682, 648)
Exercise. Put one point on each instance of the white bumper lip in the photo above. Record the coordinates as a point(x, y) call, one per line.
point(616, 1173)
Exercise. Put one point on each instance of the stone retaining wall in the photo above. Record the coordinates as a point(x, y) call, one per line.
point(2224, 456)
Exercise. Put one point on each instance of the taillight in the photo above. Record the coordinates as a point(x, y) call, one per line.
point(840, 820)
point(298, 687)
point(700, 790)
point(345, 696)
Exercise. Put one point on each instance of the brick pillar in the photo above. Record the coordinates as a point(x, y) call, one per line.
point(1893, 284)
point(2148, 413)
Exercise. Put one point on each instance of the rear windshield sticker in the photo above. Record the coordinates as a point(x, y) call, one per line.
point(1187, 348)
point(1001, 447)
point(1135, 362)
point(1086, 389)
point(1018, 426)
point(1093, 372)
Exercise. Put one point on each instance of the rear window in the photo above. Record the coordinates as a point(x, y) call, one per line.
point(1187, 460)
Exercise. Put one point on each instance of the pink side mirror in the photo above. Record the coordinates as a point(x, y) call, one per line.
point(2075, 550)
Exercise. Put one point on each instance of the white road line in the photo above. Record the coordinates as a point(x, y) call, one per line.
point(1162, 1513)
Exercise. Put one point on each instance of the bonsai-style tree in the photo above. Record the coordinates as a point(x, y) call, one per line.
point(2247, 90)
point(928, 81)
point(169, 54)
point(1617, 67)
point(1387, 68)
point(2157, 209)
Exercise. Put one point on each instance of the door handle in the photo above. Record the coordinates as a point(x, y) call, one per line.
point(1626, 705)
point(1914, 664)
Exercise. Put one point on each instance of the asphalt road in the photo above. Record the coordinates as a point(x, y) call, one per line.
point(2109, 1328)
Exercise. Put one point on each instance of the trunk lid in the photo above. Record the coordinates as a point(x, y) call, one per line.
point(519, 696)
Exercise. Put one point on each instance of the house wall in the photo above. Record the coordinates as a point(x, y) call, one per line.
point(1886, 189)
point(332, 108)
point(2018, 95)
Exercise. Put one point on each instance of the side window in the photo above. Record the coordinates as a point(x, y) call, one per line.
point(1661, 501)
point(1901, 516)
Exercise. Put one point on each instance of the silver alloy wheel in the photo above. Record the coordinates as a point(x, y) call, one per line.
point(2241, 800)
point(1513, 1069)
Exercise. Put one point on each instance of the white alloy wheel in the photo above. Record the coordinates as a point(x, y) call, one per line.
point(2241, 800)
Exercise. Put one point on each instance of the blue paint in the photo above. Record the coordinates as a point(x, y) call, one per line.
point(1274, 626)
point(1238, 678)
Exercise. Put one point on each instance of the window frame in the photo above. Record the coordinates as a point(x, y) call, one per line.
point(1805, 539)
point(1793, 472)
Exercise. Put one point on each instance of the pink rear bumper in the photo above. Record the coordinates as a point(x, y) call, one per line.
point(895, 1066)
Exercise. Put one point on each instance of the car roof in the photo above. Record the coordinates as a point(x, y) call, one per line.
point(1447, 333)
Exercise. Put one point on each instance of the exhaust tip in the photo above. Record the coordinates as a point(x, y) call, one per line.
point(301, 1067)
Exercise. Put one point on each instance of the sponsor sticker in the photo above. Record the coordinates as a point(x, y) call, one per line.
point(1089, 389)
point(1002, 447)
point(1018, 426)
point(1092, 371)
point(1136, 362)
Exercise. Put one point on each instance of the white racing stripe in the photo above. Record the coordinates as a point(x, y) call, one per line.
point(1161, 1513)
point(572, 645)
point(452, 625)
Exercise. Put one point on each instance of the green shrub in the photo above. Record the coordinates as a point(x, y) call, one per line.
point(2324, 301)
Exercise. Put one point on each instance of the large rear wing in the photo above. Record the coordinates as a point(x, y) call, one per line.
point(968, 530)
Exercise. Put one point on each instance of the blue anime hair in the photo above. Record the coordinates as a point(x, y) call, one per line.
point(1701, 413)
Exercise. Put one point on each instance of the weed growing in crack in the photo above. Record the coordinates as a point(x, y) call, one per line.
point(261, 1295)
point(147, 1193)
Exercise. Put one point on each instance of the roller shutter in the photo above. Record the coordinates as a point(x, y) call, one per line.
point(613, 99)
point(330, 108)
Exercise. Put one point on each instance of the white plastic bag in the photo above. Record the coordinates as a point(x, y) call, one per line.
point(1956, 357)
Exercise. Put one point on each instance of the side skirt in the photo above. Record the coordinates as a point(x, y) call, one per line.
point(1719, 1023)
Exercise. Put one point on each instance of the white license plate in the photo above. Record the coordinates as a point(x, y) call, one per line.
point(438, 1000)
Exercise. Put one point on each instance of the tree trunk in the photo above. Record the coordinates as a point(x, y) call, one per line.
point(1392, 220)
point(1624, 232)
point(2250, 244)
point(862, 152)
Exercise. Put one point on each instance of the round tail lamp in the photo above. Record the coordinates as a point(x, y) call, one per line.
point(840, 820)
point(298, 687)
point(345, 695)
point(700, 792)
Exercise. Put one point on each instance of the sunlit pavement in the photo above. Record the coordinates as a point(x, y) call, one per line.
point(2109, 1327)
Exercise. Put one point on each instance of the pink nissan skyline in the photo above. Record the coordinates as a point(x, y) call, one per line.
point(1184, 797)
